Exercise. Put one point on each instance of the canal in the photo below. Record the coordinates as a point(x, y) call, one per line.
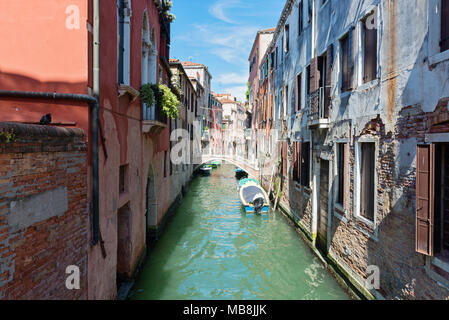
point(210, 249)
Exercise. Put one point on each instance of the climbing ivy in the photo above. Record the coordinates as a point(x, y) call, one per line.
point(147, 94)
point(7, 136)
point(163, 96)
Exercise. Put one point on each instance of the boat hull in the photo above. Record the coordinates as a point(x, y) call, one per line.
point(251, 192)
point(251, 210)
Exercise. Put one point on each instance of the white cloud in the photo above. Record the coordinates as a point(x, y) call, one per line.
point(238, 91)
point(232, 78)
point(218, 9)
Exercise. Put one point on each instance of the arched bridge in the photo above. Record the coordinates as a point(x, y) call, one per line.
point(251, 167)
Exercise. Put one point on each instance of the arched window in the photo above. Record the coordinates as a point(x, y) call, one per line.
point(146, 47)
point(153, 58)
point(123, 40)
point(149, 62)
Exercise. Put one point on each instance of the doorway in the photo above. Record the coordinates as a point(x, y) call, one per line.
point(323, 206)
point(442, 201)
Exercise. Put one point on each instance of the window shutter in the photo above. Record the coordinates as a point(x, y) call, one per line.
point(284, 158)
point(345, 173)
point(351, 46)
point(294, 162)
point(444, 25)
point(424, 199)
point(370, 59)
point(296, 94)
point(328, 84)
point(298, 160)
point(314, 75)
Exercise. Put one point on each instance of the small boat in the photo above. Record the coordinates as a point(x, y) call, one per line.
point(206, 170)
point(213, 165)
point(253, 197)
point(240, 173)
point(216, 163)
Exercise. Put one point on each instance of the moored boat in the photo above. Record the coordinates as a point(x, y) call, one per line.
point(240, 173)
point(206, 170)
point(253, 197)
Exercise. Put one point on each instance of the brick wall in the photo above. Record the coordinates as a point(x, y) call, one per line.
point(43, 212)
point(391, 245)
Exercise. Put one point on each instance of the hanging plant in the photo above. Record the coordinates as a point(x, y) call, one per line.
point(147, 94)
point(169, 103)
point(170, 17)
point(166, 100)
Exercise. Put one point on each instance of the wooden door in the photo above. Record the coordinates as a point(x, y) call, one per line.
point(323, 205)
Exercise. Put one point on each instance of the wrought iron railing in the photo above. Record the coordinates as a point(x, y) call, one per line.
point(318, 104)
point(154, 113)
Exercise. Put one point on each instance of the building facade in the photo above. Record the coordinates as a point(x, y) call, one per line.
point(360, 104)
point(99, 54)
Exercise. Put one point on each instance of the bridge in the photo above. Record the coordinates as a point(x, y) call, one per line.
point(250, 166)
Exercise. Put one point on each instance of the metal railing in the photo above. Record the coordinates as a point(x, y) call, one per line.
point(318, 104)
point(154, 113)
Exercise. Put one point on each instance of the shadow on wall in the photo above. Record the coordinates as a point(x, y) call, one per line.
point(28, 111)
point(392, 245)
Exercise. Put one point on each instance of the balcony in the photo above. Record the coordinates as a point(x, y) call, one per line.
point(247, 133)
point(154, 121)
point(319, 103)
point(205, 136)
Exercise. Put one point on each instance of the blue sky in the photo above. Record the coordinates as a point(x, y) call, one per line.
point(220, 34)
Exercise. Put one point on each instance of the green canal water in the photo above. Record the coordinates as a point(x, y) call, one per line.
point(211, 249)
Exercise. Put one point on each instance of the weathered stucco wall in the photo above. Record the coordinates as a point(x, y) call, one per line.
point(405, 105)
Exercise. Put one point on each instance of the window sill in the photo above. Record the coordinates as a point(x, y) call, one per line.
point(438, 270)
point(365, 221)
point(340, 213)
point(439, 57)
point(123, 199)
point(344, 94)
point(127, 89)
point(368, 85)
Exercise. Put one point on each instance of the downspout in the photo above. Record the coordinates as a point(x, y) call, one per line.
point(93, 110)
point(96, 122)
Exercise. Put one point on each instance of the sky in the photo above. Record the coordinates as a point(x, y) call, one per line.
point(220, 35)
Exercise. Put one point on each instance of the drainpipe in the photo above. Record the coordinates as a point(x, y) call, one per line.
point(96, 122)
point(94, 127)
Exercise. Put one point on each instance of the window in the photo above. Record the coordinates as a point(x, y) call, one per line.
point(286, 38)
point(432, 208)
point(369, 36)
point(123, 40)
point(307, 84)
point(276, 57)
point(171, 143)
point(298, 84)
point(367, 183)
point(161, 75)
point(441, 212)
point(287, 104)
point(296, 162)
point(300, 17)
point(123, 179)
point(341, 173)
point(347, 65)
point(444, 25)
point(305, 164)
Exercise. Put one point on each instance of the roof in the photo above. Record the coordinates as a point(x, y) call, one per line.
point(192, 64)
point(187, 64)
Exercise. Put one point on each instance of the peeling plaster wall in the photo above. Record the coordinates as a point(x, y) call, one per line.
point(396, 111)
